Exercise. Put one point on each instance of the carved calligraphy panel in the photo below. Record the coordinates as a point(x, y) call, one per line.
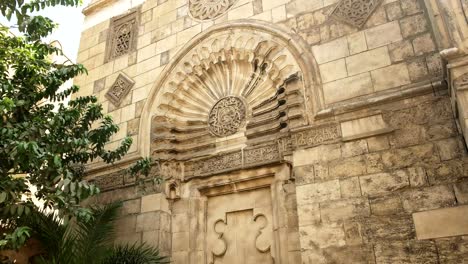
point(226, 116)
point(213, 165)
point(355, 12)
point(261, 155)
point(311, 137)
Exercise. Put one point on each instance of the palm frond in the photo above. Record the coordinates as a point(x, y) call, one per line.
point(135, 254)
point(93, 237)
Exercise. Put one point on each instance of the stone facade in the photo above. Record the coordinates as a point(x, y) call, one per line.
point(286, 131)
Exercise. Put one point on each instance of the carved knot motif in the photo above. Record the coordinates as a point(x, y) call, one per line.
point(355, 12)
point(209, 9)
point(226, 116)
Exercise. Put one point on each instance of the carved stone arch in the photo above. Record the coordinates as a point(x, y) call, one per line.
point(246, 63)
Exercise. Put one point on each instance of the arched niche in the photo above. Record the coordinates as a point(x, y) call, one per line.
point(237, 84)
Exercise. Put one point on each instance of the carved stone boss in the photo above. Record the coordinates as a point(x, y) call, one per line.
point(355, 12)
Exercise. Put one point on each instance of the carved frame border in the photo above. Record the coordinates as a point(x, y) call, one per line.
point(272, 177)
point(114, 23)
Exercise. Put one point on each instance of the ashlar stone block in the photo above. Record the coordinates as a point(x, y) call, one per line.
point(439, 223)
point(368, 61)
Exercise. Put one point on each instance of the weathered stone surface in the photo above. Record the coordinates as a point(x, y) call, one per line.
point(131, 207)
point(321, 236)
point(308, 214)
point(413, 25)
point(382, 183)
point(344, 209)
point(350, 187)
point(148, 221)
point(428, 198)
point(449, 148)
point(452, 250)
point(406, 252)
point(461, 192)
point(154, 202)
point(405, 157)
point(389, 228)
point(347, 167)
point(448, 171)
point(354, 148)
point(304, 174)
point(386, 205)
point(378, 143)
point(349, 254)
point(320, 153)
point(318, 192)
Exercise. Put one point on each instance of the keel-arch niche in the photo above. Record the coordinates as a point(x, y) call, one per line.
point(236, 84)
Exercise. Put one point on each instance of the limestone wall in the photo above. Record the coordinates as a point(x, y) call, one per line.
point(365, 126)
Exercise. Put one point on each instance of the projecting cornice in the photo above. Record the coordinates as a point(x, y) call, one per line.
point(96, 5)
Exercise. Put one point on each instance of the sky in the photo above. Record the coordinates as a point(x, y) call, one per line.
point(70, 20)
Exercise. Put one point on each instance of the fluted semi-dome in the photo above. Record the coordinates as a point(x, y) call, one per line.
point(232, 89)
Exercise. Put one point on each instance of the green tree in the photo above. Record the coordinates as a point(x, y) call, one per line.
point(86, 242)
point(45, 142)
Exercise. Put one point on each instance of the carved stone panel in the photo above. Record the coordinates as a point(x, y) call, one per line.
point(240, 228)
point(310, 137)
point(122, 35)
point(209, 9)
point(355, 12)
point(119, 89)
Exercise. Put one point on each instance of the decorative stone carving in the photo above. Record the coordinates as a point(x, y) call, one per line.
point(122, 35)
point(216, 164)
point(223, 81)
point(227, 116)
point(261, 155)
point(109, 181)
point(209, 9)
point(119, 89)
point(246, 158)
point(355, 12)
point(310, 137)
point(172, 189)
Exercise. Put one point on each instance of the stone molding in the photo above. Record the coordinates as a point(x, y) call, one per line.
point(96, 5)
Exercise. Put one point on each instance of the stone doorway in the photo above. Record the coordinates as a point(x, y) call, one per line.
point(240, 227)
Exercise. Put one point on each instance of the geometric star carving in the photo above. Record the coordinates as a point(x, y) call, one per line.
point(119, 89)
point(355, 12)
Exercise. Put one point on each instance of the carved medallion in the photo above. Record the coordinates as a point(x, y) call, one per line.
point(209, 9)
point(355, 12)
point(226, 116)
